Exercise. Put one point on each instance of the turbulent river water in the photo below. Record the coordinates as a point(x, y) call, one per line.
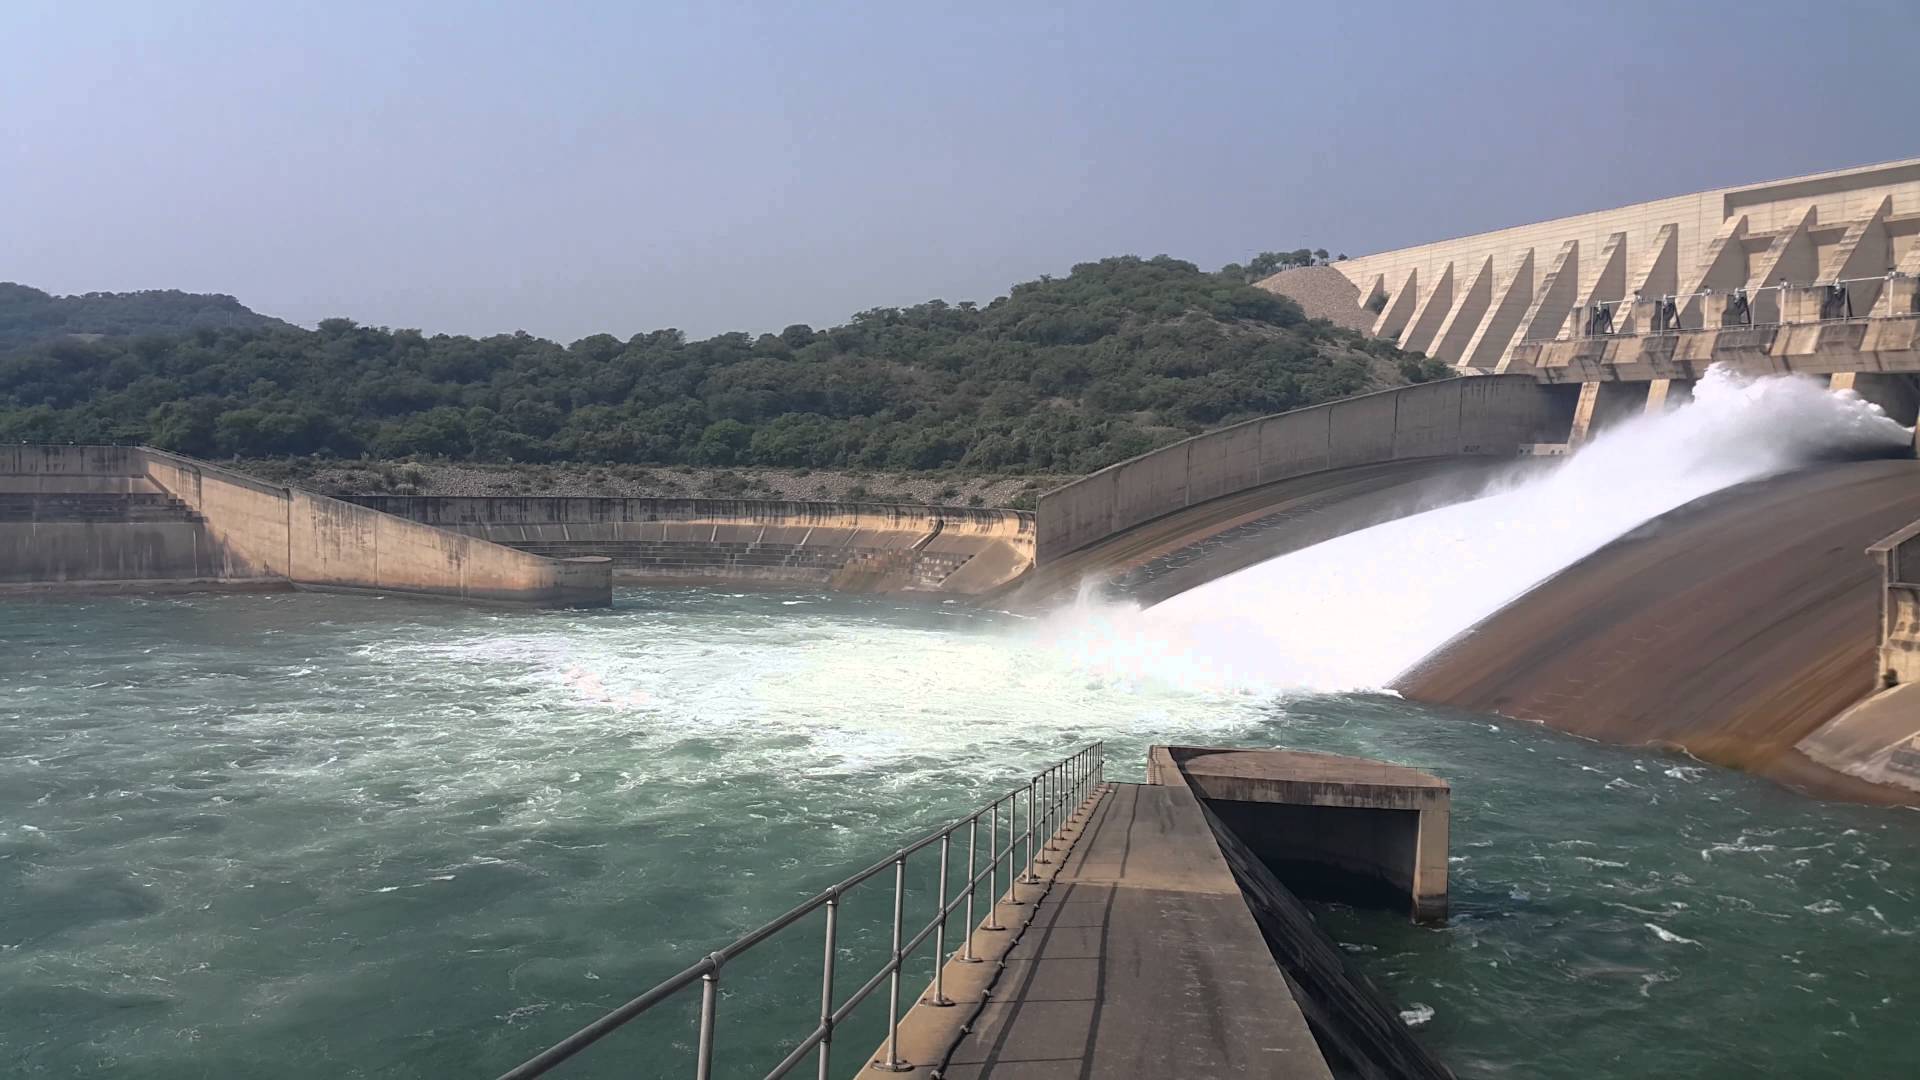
point(320, 836)
point(324, 836)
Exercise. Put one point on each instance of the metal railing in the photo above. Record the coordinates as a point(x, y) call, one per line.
point(1668, 311)
point(1052, 796)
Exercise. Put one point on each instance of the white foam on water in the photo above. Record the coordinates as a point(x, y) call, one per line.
point(1354, 612)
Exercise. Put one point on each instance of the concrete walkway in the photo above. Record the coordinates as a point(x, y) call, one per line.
point(1141, 960)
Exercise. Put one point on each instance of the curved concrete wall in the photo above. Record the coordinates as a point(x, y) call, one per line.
point(851, 546)
point(1491, 415)
point(1733, 626)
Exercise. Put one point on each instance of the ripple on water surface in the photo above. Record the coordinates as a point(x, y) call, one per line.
point(332, 835)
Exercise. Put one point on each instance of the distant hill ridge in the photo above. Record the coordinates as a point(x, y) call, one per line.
point(1062, 375)
point(28, 315)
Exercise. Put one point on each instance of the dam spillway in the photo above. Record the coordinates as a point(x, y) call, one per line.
point(1733, 627)
point(479, 750)
point(239, 828)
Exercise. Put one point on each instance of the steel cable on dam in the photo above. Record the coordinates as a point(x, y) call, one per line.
point(1731, 627)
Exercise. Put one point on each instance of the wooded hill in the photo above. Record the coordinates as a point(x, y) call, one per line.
point(28, 315)
point(1061, 375)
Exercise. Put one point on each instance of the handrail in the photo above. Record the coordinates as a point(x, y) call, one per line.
point(1677, 303)
point(1051, 794)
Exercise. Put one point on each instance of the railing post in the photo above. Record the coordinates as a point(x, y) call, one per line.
point(973, 843)
point(993, 866)
point(709, 1002)
point(1030, 877)
point(826, 988)
point(893, 1062)
point(1050, 816)
point(940, 927)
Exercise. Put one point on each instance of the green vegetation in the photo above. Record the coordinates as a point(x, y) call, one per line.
point(1268, 263)
point(1062, 375)
point(29, 315)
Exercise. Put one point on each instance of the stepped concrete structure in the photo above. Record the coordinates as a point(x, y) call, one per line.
point(840, 546)
point(123, 518)
point(1473, 301)
point(1817, 274)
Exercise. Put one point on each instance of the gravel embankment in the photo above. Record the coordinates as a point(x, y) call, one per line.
point(1323, 293)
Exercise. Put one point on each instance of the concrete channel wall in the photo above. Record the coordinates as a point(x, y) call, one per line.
point(835, 545)
point(106, 514)
point(87, 515)
point(261, 530)
point(1492, 415)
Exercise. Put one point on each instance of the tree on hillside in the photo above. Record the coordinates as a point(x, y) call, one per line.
point(1062, 374)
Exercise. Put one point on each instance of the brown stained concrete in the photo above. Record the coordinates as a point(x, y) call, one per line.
point(1732, 627)
point(1183, 550)
point(1141, 959)
point(1875, 740)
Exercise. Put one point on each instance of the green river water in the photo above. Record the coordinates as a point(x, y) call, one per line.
point(321, 836)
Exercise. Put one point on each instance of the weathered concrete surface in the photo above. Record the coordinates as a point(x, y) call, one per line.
point(1357, 1028)
point(1898, 557)
point(1491, 416)
point(126, 514)
point(1191, 547)
point(1734, 627)
point(1847, 224)
point(1877, 740)
point(81, 516)
point(60, 553)
point(855, 547)
point(318, 542)
point(1359, 816)
point(1142, 960)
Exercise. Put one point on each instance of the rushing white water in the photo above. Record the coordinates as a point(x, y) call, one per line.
point(1356, 611)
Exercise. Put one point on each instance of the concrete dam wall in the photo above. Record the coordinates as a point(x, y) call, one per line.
point(1488, 417)
point(144, 517)
point(868, 548)
point(89, 515)
point(1489, 301)
point(1187, 513)
point(1736, 627)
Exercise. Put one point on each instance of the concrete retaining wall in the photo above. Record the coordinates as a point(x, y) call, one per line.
point(834, 545)
point(93, 546)
point(64, 552)
point(260, 530)
point(1485, 415)
point(29, 460)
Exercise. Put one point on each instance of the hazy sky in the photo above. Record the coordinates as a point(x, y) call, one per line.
point(570, 168)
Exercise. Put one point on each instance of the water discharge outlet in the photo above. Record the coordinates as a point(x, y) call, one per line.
point(1354, 612)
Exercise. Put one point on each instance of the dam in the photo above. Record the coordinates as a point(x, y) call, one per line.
point(316, 816)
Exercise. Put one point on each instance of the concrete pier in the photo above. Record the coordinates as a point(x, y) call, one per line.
point(1324, 815)
point(1155, 944)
